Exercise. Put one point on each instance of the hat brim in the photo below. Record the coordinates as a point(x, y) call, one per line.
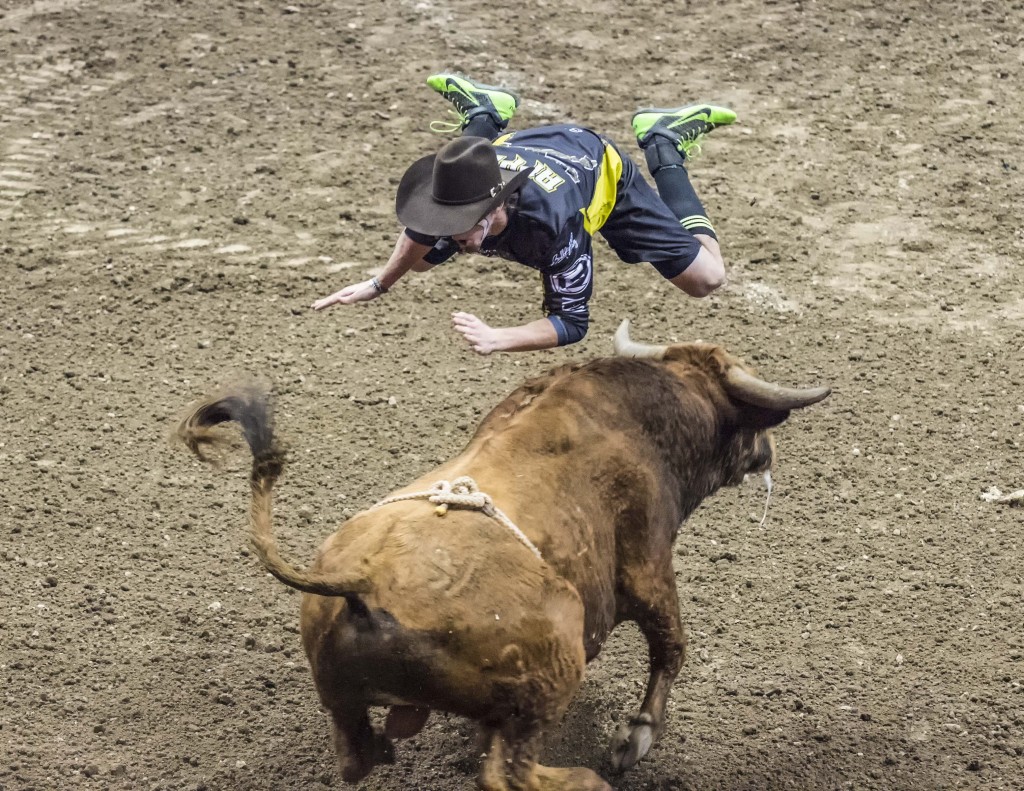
point(418, 211)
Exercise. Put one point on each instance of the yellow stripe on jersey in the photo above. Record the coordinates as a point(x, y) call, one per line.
point(605, 191)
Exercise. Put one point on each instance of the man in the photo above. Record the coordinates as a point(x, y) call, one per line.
point(538, 196)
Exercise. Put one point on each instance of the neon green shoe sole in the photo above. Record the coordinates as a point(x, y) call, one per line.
point(685, 126)
point(470, 98)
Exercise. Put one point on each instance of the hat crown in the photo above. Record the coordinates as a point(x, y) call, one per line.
point(466, 171)
point(448, 192)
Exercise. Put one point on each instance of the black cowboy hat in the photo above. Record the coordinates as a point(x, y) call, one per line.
point(450, 191)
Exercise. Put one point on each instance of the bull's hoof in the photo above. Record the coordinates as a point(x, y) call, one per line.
point(632, 741)
point(375, 749)
point(572, 779)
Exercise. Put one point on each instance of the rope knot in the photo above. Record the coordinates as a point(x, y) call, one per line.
point(463, 493)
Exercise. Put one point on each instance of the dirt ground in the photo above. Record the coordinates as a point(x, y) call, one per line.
point(180, 180)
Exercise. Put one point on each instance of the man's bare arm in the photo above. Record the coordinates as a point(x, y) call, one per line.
point(406, 255)
point(483, 339)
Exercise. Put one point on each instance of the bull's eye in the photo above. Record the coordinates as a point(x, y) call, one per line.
point(765, 452)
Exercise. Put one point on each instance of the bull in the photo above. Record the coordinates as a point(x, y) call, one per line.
point(558, 523)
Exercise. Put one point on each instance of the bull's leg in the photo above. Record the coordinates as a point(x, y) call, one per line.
point(492, 770)
point(544, 672)
point(358, 746)
point(653, 603)
point(511, 765)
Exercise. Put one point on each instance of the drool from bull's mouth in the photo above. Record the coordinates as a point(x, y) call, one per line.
point(767, 497)
point(610, 457)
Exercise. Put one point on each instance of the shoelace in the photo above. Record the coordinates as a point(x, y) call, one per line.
point(693, 149)
point(447, 127)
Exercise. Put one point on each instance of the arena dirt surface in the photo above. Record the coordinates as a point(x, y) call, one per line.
point(180, 180)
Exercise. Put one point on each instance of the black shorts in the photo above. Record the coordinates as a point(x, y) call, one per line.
point(642, 228)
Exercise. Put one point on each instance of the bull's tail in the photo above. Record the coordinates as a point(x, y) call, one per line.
point(250, 406)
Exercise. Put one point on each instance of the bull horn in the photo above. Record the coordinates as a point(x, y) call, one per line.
point(624, 347)
point(749, 389)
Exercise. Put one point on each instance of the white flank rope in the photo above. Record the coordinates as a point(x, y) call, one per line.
point(463, 493)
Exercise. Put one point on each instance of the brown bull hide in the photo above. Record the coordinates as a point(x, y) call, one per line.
point(599, 465)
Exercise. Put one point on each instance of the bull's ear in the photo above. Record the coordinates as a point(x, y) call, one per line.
point(760, 418)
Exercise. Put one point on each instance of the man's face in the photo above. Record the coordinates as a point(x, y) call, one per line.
point(470, 241)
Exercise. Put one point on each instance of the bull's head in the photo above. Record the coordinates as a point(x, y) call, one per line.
point(759, 404)
point(739, 383)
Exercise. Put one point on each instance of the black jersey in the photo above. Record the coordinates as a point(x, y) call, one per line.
point(578, 182)
point(552, 217)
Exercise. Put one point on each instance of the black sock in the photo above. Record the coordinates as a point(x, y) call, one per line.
point(482, 125)
point(667, 165)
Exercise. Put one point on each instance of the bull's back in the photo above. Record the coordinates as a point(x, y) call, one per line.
point(591, 467)
point(569, 499)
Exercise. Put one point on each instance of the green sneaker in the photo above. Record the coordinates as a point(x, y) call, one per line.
point(472, 98)
point(685, 126)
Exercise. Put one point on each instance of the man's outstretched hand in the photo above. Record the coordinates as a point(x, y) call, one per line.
point(485, 339)
point(357, 292)
point(481, 338)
